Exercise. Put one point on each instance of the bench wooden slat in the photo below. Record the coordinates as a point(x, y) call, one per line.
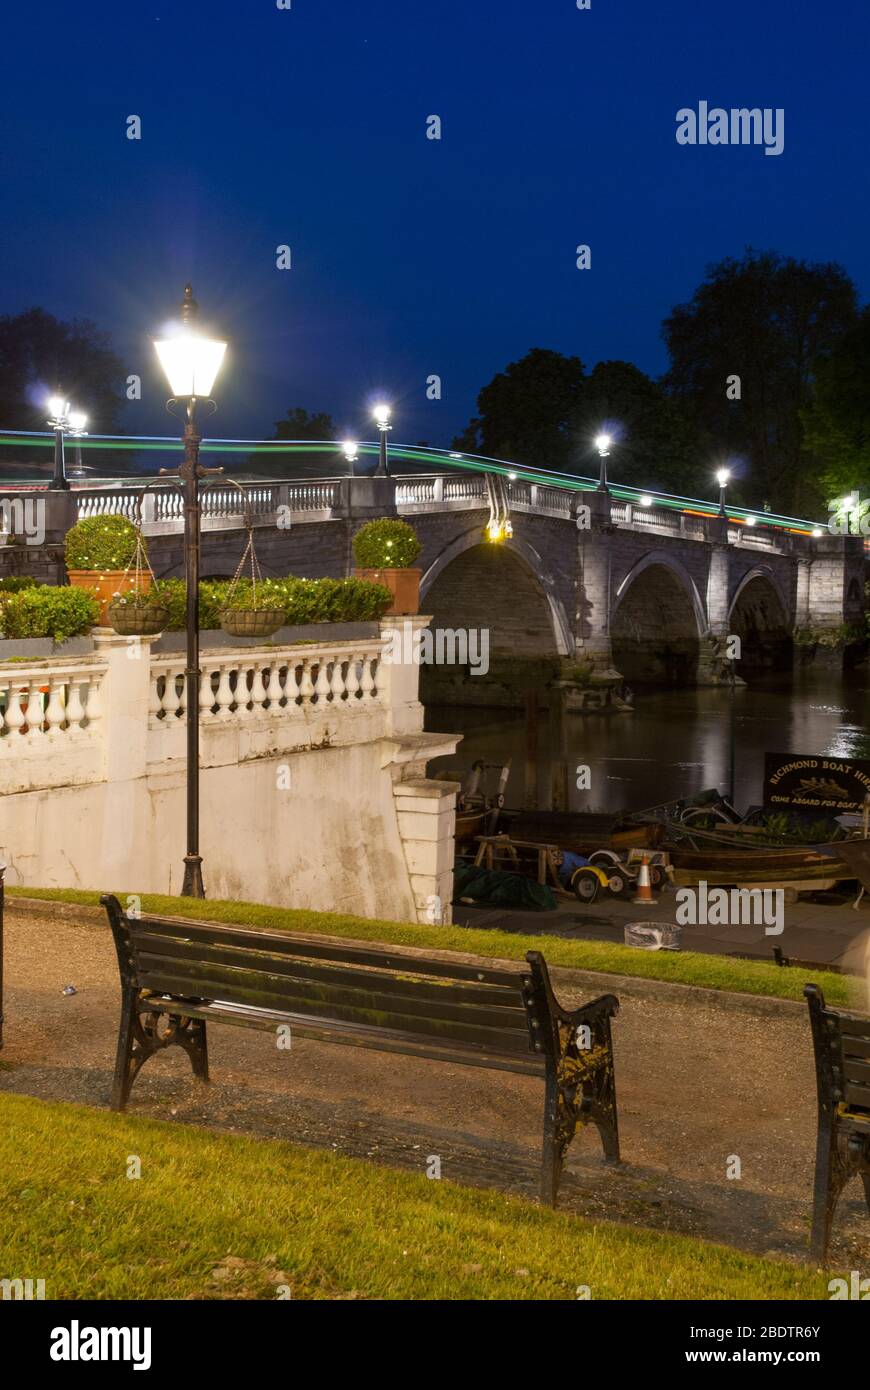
point(374, 1039)
point(857, 1095)
point(490, 996)
point(286, 943)
point(856, 1047)
point(853, 1026)
point(327, 991)
point(269, 994)
point(857, 1071)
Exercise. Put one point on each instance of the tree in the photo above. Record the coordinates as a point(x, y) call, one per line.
point(837, 422)
point(302, 424)
point(771, 322)
point(655, 448)
point(525, 413)
point(40, 355)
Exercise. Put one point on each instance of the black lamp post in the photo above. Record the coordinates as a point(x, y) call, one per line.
point(58, 408)
point(191, 362)
point(602, 444)
point(382, 417)
point(722, 477)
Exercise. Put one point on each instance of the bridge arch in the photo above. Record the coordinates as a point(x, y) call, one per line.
point(503, 587)
point(657, 622)
point(759, 615)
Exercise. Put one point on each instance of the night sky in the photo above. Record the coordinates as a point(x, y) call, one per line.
point(307, 127)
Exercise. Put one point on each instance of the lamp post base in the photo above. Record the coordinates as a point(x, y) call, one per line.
point(192, 886)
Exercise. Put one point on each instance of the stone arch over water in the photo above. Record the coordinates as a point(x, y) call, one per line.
point(657, 623)
point(758, 615)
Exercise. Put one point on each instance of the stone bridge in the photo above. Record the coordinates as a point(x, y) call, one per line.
point(585, 585)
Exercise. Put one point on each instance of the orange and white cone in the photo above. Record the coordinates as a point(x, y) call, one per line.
point(644, 894)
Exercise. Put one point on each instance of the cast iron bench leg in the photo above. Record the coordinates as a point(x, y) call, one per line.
point(141, 1035)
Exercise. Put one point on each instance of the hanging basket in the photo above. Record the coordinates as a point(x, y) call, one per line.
point(137, 618)
point(252, 622)
point(243, 618)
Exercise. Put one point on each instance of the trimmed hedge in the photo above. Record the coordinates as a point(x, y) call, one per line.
point(386, 544)
point(57, 611)
point(14, 583)
point(100, 543)
point(305, 600)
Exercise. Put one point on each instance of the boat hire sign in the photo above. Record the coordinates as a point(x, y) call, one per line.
point(815, 784)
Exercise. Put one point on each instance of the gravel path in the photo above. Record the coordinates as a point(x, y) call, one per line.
point(697, 1083)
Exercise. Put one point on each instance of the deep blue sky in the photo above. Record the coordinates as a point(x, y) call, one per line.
point(412, 257)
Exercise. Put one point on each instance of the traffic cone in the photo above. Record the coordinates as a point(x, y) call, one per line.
point(644, 894)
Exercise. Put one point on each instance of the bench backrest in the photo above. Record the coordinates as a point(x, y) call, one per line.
point(842, 1048)
point(492, 1012)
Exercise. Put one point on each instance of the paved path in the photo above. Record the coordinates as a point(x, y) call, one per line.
point(824, 928)
point(697, 1081)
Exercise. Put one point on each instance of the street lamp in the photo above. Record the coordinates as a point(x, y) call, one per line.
point(602, 444)
point(60, 419)
point(191, 362)
point(350, 449)
point(381, 414)
point(722, 476)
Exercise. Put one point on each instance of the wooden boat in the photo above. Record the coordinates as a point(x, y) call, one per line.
point(754, 864)
point(469, 824)
point(583, 832)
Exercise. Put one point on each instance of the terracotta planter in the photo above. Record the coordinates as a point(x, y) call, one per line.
point(404, 585)
point(105, 584)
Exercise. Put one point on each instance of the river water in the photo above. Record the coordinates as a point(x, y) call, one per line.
point(675, 743)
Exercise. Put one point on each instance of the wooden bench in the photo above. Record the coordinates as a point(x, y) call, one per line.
point(177, 974)
point(842, 1047)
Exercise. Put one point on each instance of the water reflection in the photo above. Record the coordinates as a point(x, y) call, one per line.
point(675, 743)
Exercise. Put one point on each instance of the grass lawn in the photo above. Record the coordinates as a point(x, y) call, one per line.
point(680, 967)
point(216, 1216)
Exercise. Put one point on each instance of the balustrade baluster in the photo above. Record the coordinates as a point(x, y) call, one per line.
point(322, 688)
point(367, 684)
point(225, 696)
point(351, 681)
point(306, 688)
point(206, 694)
point(336, 685)
point(55, 713)
point(258, 688)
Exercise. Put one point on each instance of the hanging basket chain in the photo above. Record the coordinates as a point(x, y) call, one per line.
point(256, 575)
point(139, 562)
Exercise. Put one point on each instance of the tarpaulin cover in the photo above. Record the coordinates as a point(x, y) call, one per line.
point(497, 888)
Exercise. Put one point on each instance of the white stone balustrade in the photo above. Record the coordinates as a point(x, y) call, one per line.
point(308, 754)
point(272, 685)
point(51, 715)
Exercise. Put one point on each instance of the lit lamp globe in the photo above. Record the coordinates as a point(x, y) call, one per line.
point(191, 363)
point(190, 360)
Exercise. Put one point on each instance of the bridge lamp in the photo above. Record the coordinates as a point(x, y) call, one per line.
point(816, 531)
point(646, 500)
point(350, 449)
point(750, 521)
point(512, 477)
point(61, 418)
point(602, 444)
point(722, 477)
point(381, 415)
point(191, 361)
